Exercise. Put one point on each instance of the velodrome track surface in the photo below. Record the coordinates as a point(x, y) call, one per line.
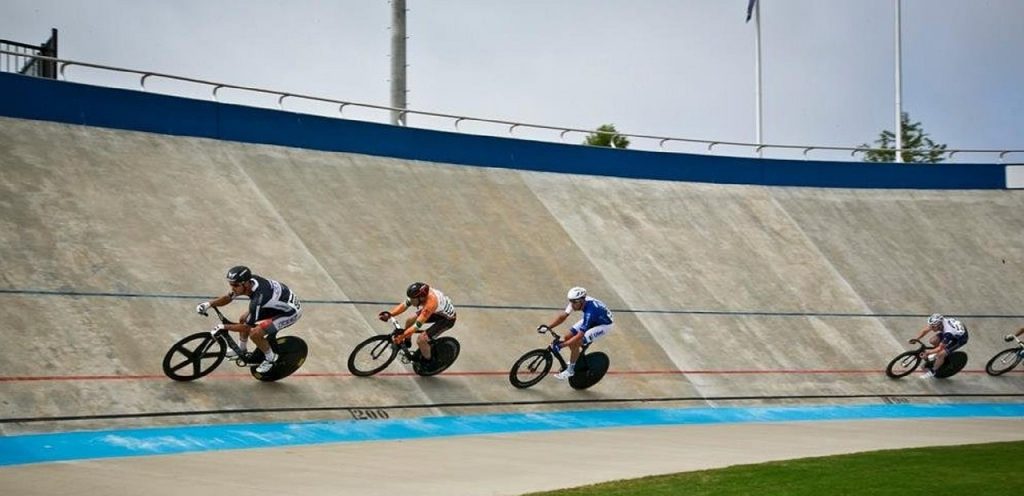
point(723, 295)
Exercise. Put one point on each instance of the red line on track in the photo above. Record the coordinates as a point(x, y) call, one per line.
point(145, 377)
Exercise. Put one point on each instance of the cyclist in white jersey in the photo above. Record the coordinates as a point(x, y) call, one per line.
point(432, 307)
point(272, 307)
point(950, 334)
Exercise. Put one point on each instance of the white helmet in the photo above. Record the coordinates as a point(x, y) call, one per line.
point(935, 319)
point(576, 293)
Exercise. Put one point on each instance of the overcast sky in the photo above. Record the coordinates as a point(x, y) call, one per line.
point(680, 68)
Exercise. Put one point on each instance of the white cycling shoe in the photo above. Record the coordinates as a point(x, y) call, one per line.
point(266, 365)
point(231, 355)
point(565, 374)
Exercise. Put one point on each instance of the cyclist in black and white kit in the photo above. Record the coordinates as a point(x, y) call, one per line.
point(272, 307)
point(950, 334)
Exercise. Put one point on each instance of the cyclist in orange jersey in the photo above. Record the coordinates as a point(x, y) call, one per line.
point(433, 307)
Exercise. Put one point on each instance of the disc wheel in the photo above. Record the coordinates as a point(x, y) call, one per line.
point(903, 364)
point(193, 357)
point(372, 356)
point(589, 371)
point(1004, 361)
point(954, 363)
point(292, 351)
point(444, 351)
point(530, 368)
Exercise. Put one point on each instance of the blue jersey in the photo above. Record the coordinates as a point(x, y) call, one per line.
point(595, 313)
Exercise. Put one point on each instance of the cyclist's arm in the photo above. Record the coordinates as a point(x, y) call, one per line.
point(222, 300)
point(558, 320)
point(1021, 331)
point(399, 308)
point(421, 318)
point(924, 331)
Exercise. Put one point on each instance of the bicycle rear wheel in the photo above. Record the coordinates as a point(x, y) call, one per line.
point(1003, 362)
point(589, 371)
point(530, 368)
point(372, 356)
point(903, 364)
point(954, 363)
point(444, 351)
point(194, 356)
point(292, 351)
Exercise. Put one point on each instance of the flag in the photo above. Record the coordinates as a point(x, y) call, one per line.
point(750, 9)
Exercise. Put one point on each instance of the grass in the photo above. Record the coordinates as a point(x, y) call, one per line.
point(971, 470)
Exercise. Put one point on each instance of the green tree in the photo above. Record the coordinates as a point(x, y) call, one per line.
point(607, 136)
point(917, 146)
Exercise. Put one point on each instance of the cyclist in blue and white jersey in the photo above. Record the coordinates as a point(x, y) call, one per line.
point(272, 307)
point(596, 322)
point(950, 334)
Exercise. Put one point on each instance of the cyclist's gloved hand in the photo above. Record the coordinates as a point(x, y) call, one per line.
point(911, 340)
point(541, 329)
point(202, 308)
point(384, 316)
point(1008, 337)
point(400, 337)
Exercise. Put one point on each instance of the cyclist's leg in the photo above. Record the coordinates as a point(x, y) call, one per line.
point(574, 341)
point(439, 325)
point(596, 332)
point(243, 336)
point(950, 343)
point(267, 329)
point(943, 350)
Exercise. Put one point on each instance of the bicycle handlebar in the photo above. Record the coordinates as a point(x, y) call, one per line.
point(223, 319)
point(395, 324)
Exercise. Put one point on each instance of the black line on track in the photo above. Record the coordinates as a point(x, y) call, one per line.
point(734, 313)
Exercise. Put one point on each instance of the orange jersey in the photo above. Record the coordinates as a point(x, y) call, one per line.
point(436, 302)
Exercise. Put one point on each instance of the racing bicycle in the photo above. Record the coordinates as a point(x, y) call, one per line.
point(534, 365)
point(375, 353)
point(198, 354)
point(908, 361)
point(1006, 360)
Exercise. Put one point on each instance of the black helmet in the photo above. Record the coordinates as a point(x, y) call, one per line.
point(417, 290)
point(239, 273)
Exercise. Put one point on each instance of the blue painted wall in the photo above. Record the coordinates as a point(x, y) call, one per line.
point(42, 99)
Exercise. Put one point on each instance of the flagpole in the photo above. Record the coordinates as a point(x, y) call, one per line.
point(899, 89)
point(757, 69)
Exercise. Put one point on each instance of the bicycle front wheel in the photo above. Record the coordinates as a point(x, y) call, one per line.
point(530, 368)
point(372, 355)
point(903, 364)
point(194, 356)
point(1003, 362)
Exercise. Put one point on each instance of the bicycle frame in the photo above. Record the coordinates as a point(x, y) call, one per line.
point(225, 336)
point(558, 355)
point(406, 347)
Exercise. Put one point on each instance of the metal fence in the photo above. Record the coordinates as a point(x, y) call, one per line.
point(47, 65)
point(23, 58)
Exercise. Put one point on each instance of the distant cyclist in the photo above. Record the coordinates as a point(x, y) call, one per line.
point(272, 307)
point(432, 307)
point(596, 322)
point(950, 334)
